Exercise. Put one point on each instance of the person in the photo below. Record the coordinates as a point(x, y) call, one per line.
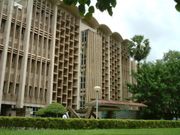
point(67, 114)
point(64, 116)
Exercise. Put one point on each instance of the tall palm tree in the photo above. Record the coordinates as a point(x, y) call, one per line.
point(139, 48)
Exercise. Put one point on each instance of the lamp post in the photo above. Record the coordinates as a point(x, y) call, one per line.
point(97, 89)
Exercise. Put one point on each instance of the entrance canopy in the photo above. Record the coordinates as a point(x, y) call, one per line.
point(115, 105)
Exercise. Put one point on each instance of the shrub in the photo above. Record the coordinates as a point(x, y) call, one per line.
point(52, 110)
point(58, 123)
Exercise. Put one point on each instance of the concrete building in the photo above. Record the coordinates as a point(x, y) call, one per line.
point(50, 54)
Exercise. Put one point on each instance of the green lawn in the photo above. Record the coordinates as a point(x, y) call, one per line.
point(161, 131)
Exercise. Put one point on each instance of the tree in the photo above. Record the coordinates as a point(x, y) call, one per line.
point(102, 5)
point(177, 5)
point(139, 47)
point(158, 87)
point(52, 110)
point(171, 55)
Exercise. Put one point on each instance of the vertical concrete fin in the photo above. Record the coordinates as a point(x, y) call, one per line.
point(121, 82)
point(5, 49)
point(20, 101)
point(52, 49)
point(109, 70)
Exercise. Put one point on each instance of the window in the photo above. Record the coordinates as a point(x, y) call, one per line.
point(84, 36)
point(22, 34)
point(14, 61)
point(36, 92)
point(17, 32)
point(45, 94)
point(17, 89)
point(30, 91)
point(41, 93)
point(82, 101)
point(83, 82)
point(5, 87)
point(2, 26)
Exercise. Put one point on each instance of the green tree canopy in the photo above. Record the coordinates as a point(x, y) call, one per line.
point(171, 56)
point(52, 110)
point(177, 6)
point(86, 8)
point(158, 86)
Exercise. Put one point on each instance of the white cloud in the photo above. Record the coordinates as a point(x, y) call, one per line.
point(156, 19)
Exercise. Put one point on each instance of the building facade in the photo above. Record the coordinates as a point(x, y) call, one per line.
point(50, 54)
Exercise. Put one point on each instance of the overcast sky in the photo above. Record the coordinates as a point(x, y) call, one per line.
point(157, 20)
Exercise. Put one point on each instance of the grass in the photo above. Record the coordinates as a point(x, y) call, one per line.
point(158, 131)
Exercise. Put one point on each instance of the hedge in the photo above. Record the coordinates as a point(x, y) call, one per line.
point(57, 123)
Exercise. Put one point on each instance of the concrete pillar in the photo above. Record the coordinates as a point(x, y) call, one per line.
point(109, 69)
point(121, 77)
point(131, 64)
point(5, 49)
point(20, 101)
point(79, 66)
point(52, 50)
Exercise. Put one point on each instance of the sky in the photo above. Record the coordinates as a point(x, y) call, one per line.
point(157, 20)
